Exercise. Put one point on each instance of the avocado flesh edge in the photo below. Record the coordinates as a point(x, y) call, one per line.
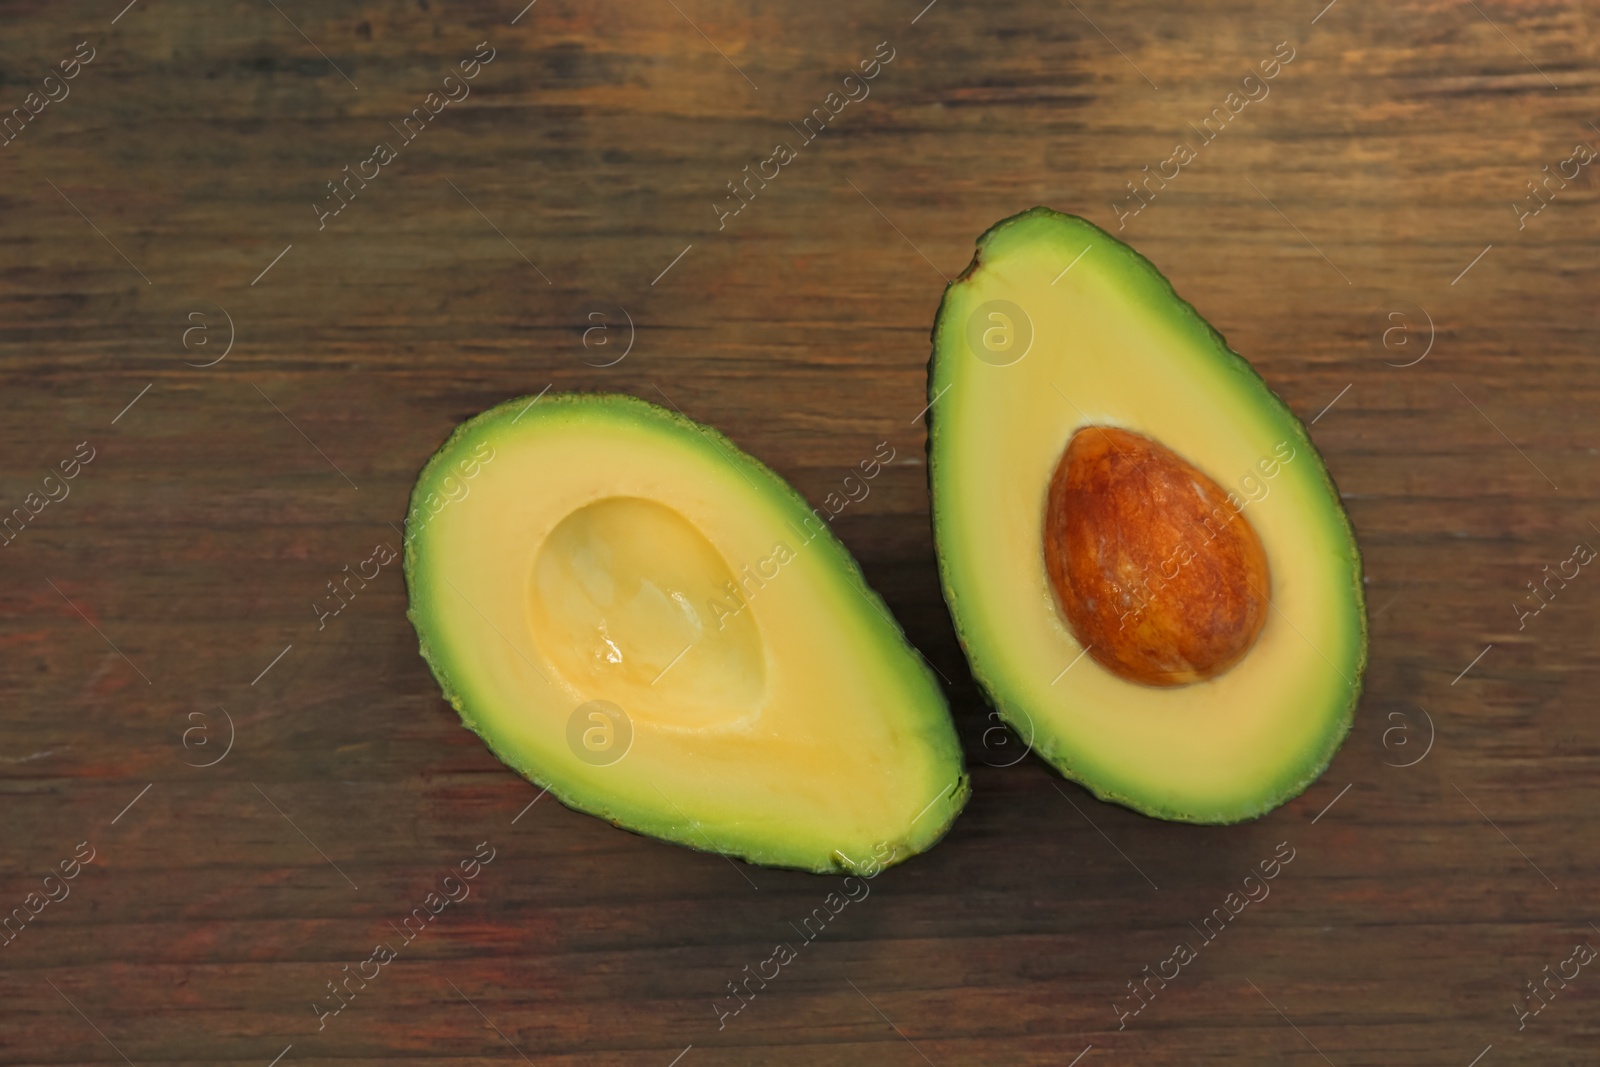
point(1073, 756)
point(940, 746)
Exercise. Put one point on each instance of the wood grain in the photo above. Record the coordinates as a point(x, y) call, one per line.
point(591, 151)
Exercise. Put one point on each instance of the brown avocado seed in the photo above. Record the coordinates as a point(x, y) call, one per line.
point(1159, 574)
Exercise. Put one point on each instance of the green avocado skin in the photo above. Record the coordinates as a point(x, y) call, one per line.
point(936, 728)
point(995, 687)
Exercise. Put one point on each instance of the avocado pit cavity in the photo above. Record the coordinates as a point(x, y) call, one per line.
point(1158, 574)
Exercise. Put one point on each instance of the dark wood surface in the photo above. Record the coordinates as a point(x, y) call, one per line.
point(188, 155)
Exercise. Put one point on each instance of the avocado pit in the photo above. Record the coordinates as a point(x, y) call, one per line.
point(1156, 569)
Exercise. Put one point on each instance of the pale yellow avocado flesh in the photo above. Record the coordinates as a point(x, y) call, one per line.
point(784, 719)
point(1108, 343)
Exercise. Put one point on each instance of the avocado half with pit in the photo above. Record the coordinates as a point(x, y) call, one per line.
point(651, 624)
point(1146, 561)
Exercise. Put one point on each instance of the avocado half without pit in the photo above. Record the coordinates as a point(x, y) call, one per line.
point(1146, 561)
point(651, 624)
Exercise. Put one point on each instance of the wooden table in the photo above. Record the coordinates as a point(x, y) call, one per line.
point(163, 209)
